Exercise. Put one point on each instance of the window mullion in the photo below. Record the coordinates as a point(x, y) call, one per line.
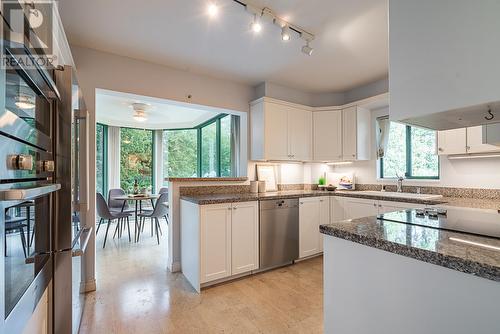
point(198, 149)
point(218, 148)
point(408, 152)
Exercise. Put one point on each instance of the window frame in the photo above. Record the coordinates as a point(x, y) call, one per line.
point(105, 183)
point(408, 163)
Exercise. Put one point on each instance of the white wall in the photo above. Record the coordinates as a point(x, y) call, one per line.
point(466, 173)
point(293, 173)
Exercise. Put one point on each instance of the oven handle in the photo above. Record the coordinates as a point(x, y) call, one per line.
point(28, 193)
point(85, 234)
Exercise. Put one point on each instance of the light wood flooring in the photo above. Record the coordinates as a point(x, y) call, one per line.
point(136, 294)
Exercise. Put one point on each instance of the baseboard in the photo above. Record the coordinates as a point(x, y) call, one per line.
point(88, 286)
point(174, 267)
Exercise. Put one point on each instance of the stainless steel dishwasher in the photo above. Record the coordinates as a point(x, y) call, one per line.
point(279, 232)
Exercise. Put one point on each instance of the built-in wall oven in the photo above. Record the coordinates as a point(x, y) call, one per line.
point(28, 99)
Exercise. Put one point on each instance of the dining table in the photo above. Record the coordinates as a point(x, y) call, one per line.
point(138, 199)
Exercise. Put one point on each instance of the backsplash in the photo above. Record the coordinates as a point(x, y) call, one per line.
point(491, 194)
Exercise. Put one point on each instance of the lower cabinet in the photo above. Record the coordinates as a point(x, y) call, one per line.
point(218, 240)
point(313, 212)
point(359, 207)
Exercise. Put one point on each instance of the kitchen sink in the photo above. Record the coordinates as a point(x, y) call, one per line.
point(399, 195)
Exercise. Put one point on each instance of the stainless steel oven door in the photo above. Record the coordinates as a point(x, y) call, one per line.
point(28, 111)
point(26, 255)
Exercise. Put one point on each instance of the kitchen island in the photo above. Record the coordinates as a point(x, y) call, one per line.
point(391, 277)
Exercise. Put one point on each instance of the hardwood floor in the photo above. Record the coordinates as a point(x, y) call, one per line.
point(136, 294)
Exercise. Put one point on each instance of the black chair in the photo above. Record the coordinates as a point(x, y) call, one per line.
point(105, 214)
point(160, 210)
point(15, 224)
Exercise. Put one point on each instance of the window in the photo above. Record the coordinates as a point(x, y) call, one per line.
point(205, 151)
point(101, 158)
point(180, 153)
point(411, 152)
point(136, 158)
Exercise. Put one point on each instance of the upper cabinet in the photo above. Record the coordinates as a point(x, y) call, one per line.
point(444, 68)
point(356, 133)
point(280, 131)
point(327, 130)
point(464, 141)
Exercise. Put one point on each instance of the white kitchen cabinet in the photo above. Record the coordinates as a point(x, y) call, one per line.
point(324, 217)
point(475, 141)
point(442, 59)
point(309, 221)
point(244, 237)
point(359, 208)
point(337, 208)
point(356, 133)
point(280, 131)
point(452, 141)
point(218, 241)
point(327, 135)
point(313, 212)
point(215, 242)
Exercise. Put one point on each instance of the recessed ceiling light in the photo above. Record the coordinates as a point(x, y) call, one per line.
point(212, 9)
point(255, 25)
point(285, 33)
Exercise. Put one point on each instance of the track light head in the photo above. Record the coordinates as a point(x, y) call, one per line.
point(256, 26)
point(307, 49)
point(285, 33)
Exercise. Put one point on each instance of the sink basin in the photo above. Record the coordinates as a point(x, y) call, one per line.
point(399, 195)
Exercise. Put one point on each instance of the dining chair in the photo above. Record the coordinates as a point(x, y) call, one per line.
point(16, 224)
point(160, 210)
point(118, 205)
point(164, 190)
point(106, 214)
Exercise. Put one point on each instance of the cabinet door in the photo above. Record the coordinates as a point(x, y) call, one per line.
point(309, 219)
point(349, 133)
point(276, 133)
point(452, 141)
point(337, 210)
point(475, 141)
point(359, 208)
point(327, 129)
point(245, 237)
point(324, 217)
point(300, 134)
point(215, 242)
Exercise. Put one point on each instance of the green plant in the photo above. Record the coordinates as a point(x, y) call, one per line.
point(322, 181)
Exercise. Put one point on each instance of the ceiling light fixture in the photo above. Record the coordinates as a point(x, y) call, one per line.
point(255, 25)
point(24, 102)
point(139, 111)
point(285, 33)
point(266, 14)
point(212, 9)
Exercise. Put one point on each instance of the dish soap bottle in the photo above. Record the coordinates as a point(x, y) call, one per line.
point(136, 187)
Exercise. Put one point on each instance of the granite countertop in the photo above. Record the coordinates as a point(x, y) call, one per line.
point(206, 179)
point(466, 253)
point(245, 197)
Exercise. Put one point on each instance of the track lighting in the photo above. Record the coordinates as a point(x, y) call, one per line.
point(285, 33)
point(307, 49)
point(255, 25)
point(212, 9)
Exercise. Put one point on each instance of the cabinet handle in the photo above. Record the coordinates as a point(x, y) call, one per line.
point(235, 208)
point(440, 149)
point(301, 203)
point(375, 204)
point(354, 155)
point(467, 148)
point(229, 208)
point(379, 206)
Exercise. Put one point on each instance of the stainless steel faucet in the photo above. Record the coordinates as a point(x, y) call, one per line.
point(400, 183)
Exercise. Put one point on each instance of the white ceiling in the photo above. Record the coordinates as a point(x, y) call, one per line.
point(351, 45)
point(114, 108)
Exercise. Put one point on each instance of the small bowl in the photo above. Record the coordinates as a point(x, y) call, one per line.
point(331, 188)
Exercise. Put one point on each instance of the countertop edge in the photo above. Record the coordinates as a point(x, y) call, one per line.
point(446, 261)
point(206, 179)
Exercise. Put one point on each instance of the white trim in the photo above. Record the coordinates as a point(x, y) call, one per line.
point(113, 157)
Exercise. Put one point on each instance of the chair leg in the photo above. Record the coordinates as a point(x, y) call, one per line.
point(157, 223)
point(117, 229)
point(23, 241)
point(159, 226)
point(128, 228)
point(106, 235)
point(32, 235)
point(142, 224)
point(151, 226)
point(98, 226)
